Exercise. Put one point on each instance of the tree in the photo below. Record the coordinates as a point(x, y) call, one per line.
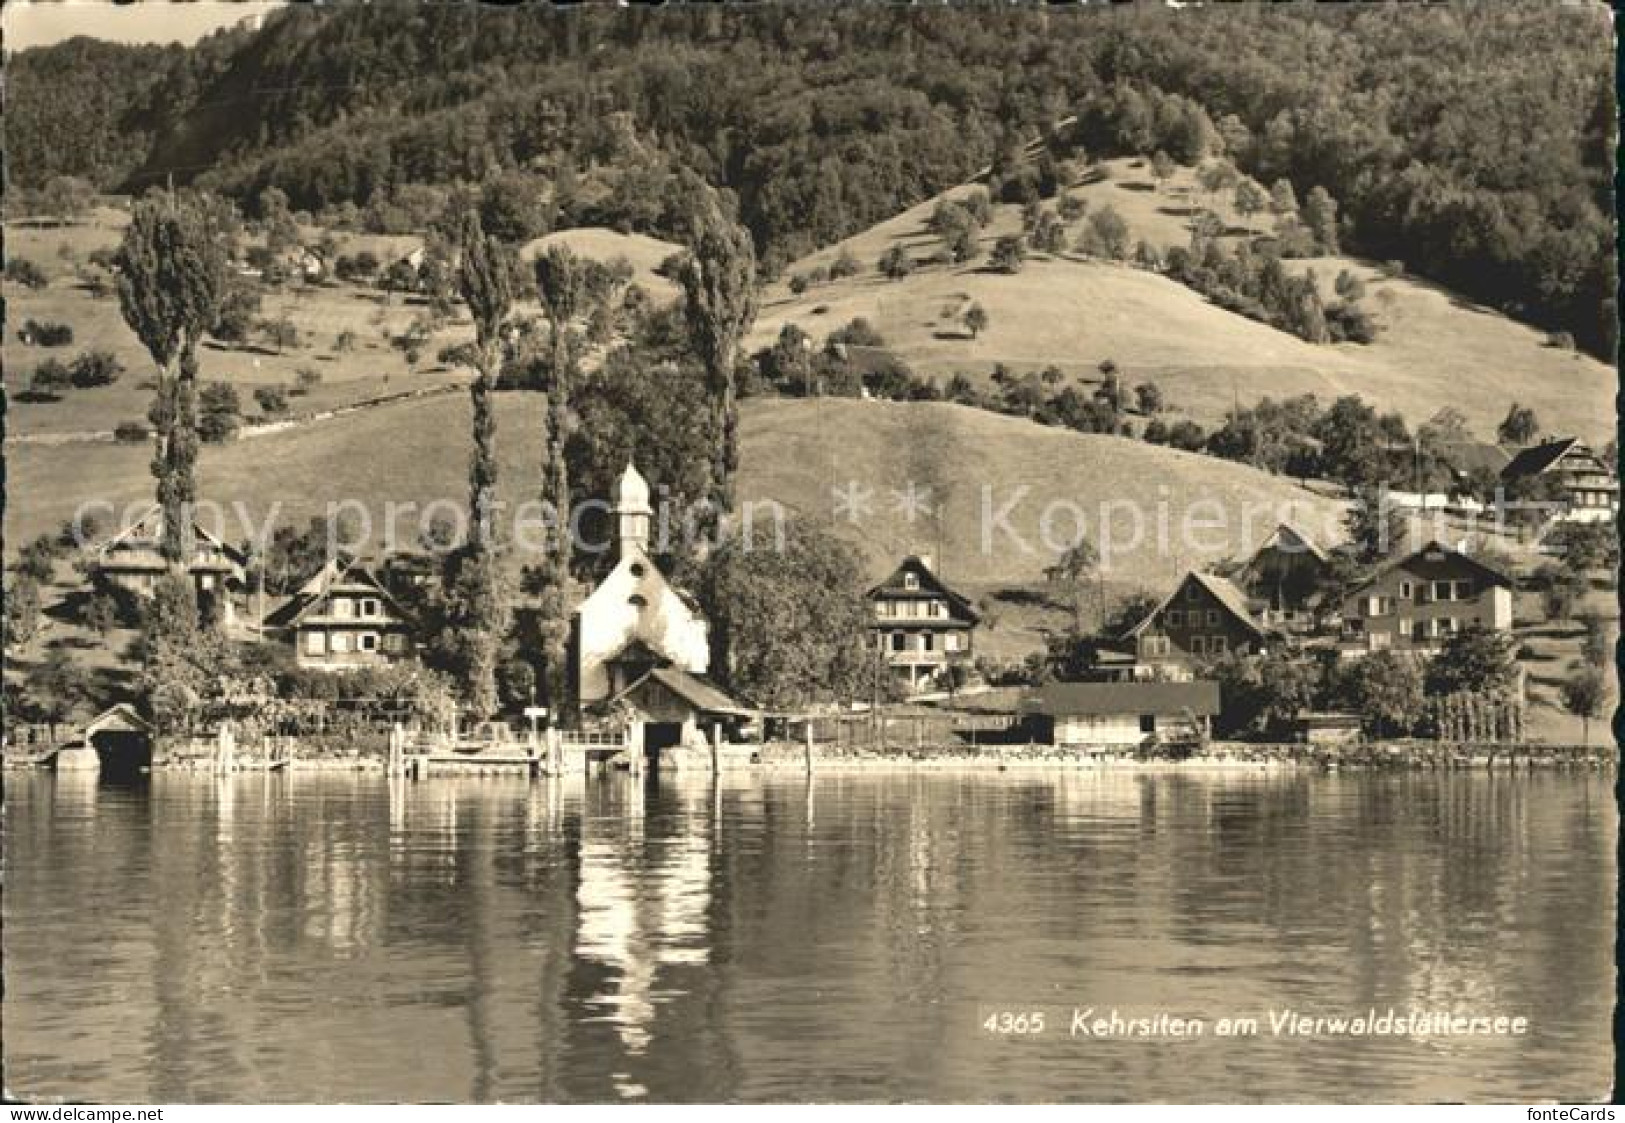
point(896, 263)
point(512, 208)
point(788, 624)
point(1250, 199)
point(1386, 689)
point(172, 274)
point(1477, 659)
point(561, 286)
point(1162, 167)
point(50, 380)
point(1320, 216)
point(1008, 254)
point(281, 333)
point(1148, 396)
point(101, 615)
point(1349, 287)
point(1283, 200)
point(1071, 574)
point(480, 611)
point(1519, 427)
point(1585, 695)
point(718, 278)
point(1598, 645)
point(272, 400)
point(281, 231)
point(1106, 234)
point(975, 320)
point(22, 609)
point(220, 412)
point(59, 686)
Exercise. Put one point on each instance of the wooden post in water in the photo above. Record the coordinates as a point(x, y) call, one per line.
point(716, 746)
point(397, 738)
point(225, 748)
point(806, 748)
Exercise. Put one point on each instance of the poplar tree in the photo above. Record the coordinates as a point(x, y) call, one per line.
point(171, 278)
point(718, 276)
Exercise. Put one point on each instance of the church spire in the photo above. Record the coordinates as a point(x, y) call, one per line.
point(632, 512)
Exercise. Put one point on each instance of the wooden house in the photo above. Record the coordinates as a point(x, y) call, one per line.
point(1417, 602)
point(1586, 484)
point(1117, 715)
point(920, 625)
point(130, 564)
point(1287, 576)
point(344, 618)
point(1205, 617)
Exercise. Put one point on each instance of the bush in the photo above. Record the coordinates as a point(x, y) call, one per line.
point(305, 379)
point(51, 380)
point(46, 333)
point(131, 432)
point(844, 265)
point(272, 400)
point(1562, 340)
point(220, 412)
point(22, 271)
point(858, 333)
point(798, 283)
point(95, 368)
point(1008, 254)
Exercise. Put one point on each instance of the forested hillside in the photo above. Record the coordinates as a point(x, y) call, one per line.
point(1492, 178)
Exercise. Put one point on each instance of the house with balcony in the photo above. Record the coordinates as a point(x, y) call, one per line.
point(1286, 578)
point(1584, 483)
point(344, 618)
point(920, 625)
point(1417, 602)
point(129, 565)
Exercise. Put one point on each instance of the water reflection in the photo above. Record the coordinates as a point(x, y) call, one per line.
point(307, 937)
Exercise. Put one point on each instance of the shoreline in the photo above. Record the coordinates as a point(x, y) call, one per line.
point(780, 758)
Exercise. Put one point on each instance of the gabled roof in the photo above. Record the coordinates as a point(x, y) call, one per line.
point(930, 585)
point(1289, 539)
point(1489, 572)
point(1099, 699)
point(315, 591)
point(146, 532)
point(1470, 455)
point(1536, 459)
point(1222, 589)
point(122, 717)
point(700, 693)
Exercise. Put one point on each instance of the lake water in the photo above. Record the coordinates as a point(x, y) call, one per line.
point(347, 937)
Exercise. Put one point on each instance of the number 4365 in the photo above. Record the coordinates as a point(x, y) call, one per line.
point(1022, 1023)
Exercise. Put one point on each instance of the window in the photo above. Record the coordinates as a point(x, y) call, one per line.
point(950, 642)
point(395, 643)
point(1218, 645)
point(1175, 617)
point(1406, 590)
point(911, 581)
point(1192, 592)
point(1148, 723)
point(899, 642)
point(935, 608)
point(1464, 590)
point(1199, 645)
point(315, 643)
point(370, 606)
point(636, 601)
point(341, 642)
point(636, 569)
point(1420, 630)
point(369, 641)
point(1212, 618)
point(341, 607)
point(1442, 590)
point(928, 642)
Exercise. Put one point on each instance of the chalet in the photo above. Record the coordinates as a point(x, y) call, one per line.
point(129, 565)
point(344, 618)
point(1204, 617)
point(1585, 482)
point(1287, 575)
point(639, 644)
point(920, 625)
point(1415, 603)
point(1116, 715)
